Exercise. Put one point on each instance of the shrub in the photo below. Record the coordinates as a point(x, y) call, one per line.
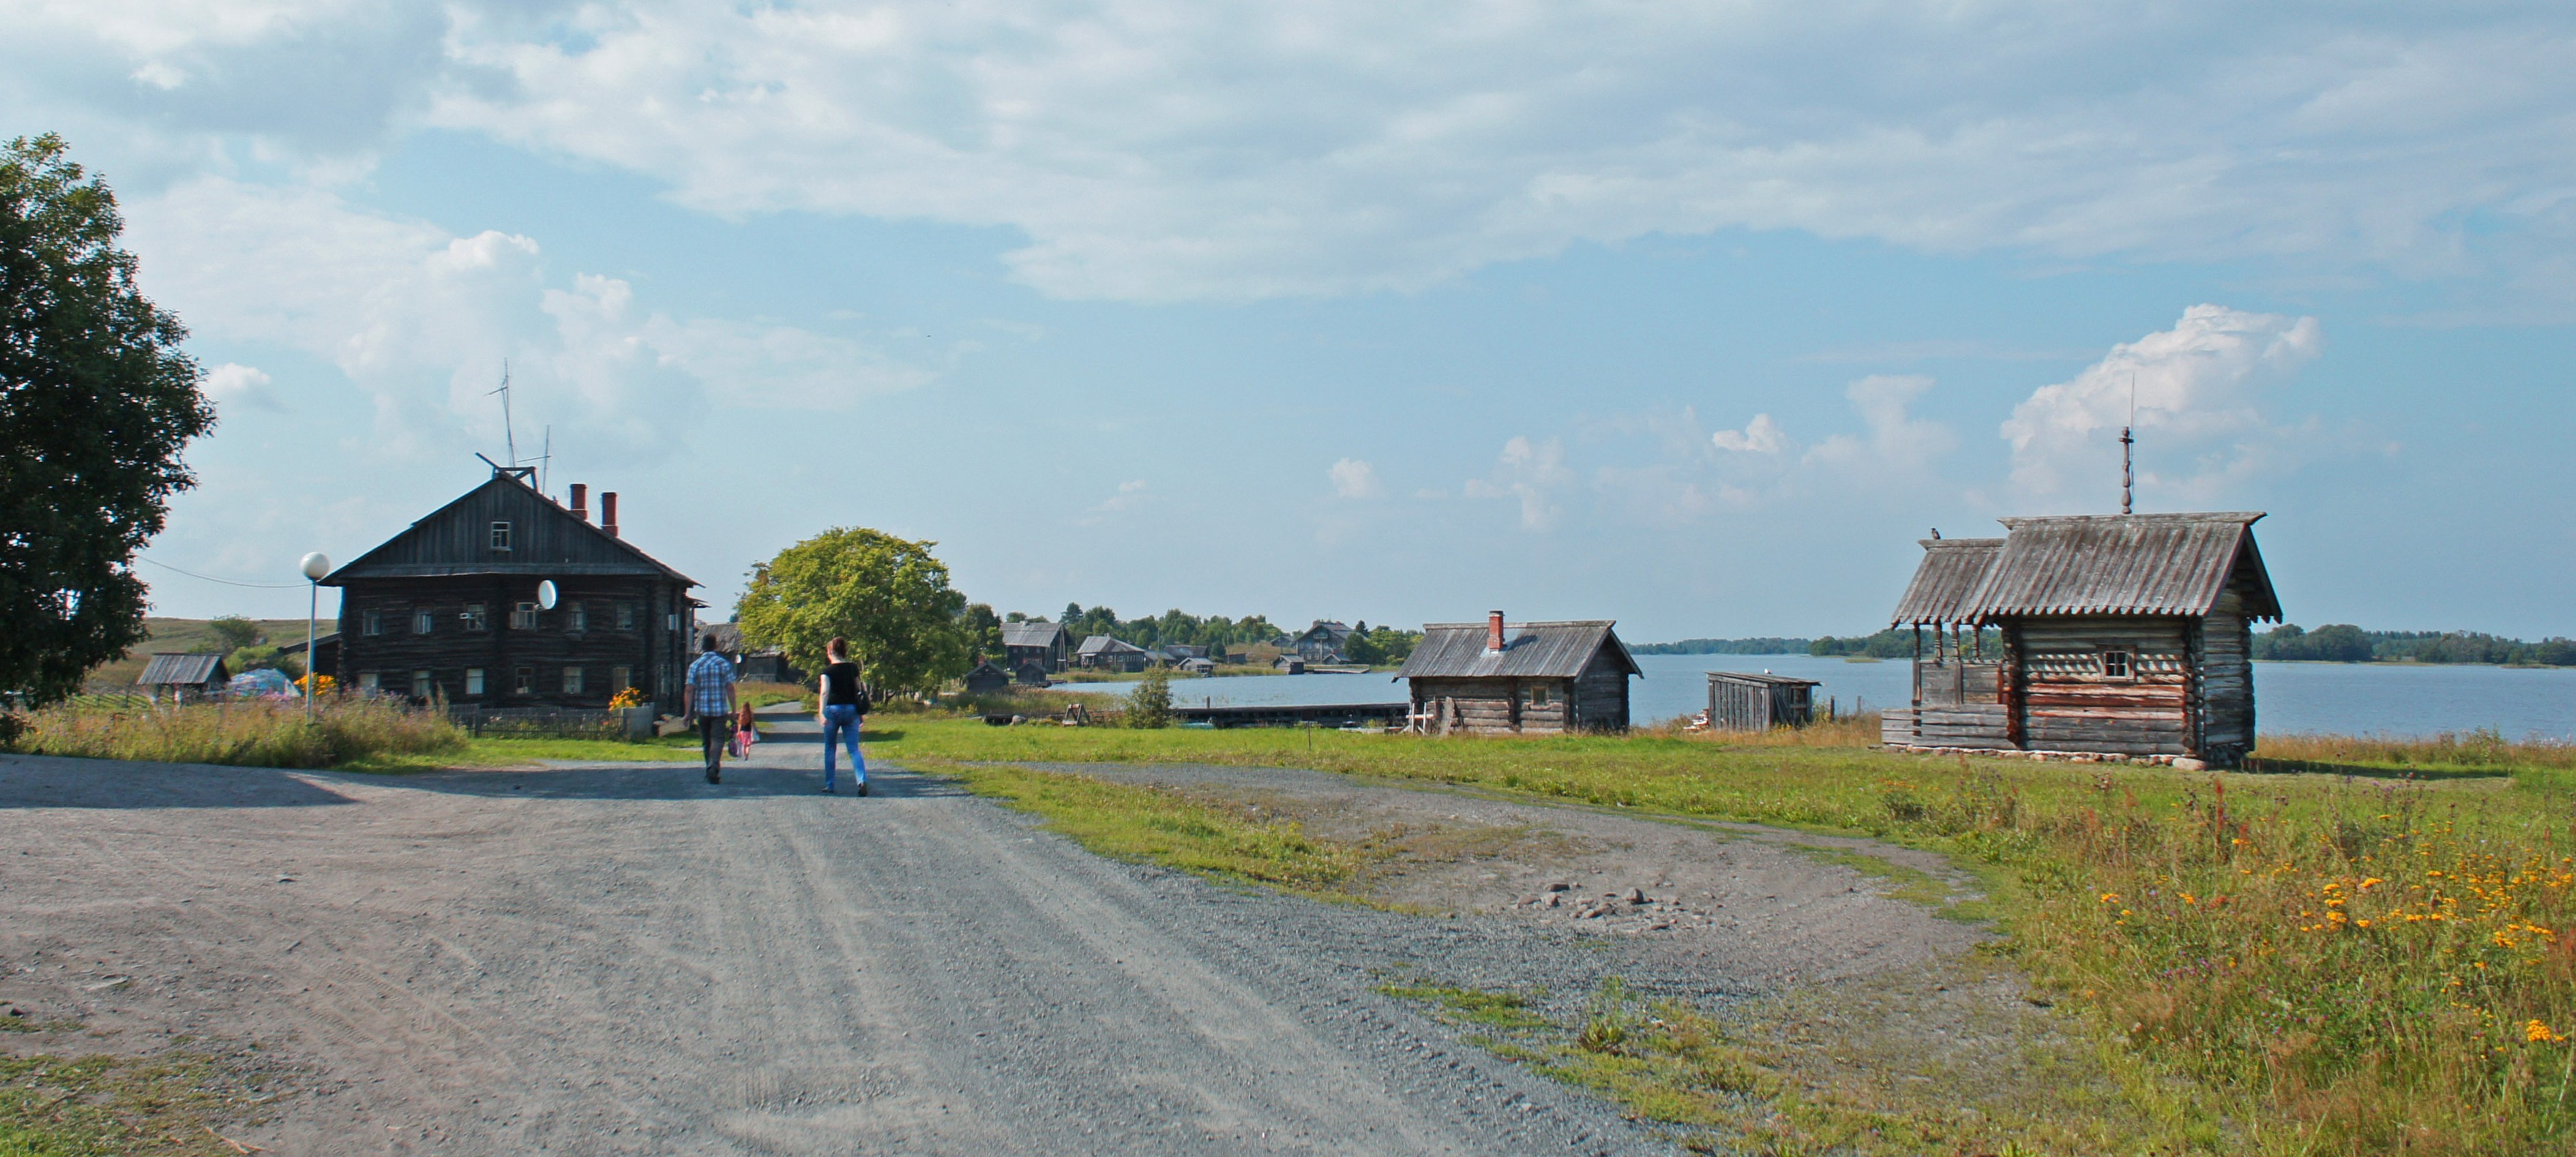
point(1150, 704)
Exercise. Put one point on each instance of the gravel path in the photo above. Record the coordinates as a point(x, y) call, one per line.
point(629, 960)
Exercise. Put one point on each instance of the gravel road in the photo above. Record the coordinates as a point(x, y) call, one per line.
point(630, 960)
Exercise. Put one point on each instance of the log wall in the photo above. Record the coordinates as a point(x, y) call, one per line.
point(2066, 703)
point(653, 652)
point(1601, 695)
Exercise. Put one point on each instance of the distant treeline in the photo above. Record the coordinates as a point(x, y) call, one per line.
point(1762, 646)
point(2345, 643)
point(1216, 632)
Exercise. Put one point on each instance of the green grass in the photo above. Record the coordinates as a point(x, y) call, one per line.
point(1155, 825)
point(258, 734)
point(100, 1106)
point(1912, 885)
point(508, 752)
point(2377, 960)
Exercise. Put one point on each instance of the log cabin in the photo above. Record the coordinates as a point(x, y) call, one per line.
point(1520, 678)
point(449, 608)
point(2116, 635)
point(1036, 641)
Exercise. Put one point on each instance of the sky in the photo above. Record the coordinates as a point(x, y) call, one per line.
point(1694, 316)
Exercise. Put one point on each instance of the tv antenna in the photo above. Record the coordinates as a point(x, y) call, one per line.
point(2127, 479)
point(509, 436)
point(546, 458)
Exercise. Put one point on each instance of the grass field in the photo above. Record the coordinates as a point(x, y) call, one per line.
point(2374, 954)
point(98, 1106)
point(245, 734)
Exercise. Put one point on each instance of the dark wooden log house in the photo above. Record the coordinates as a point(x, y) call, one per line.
point(449, 608)
point(1520, 678)
point(2123, 635)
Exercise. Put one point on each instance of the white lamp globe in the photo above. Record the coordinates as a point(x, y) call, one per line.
point(316, 566)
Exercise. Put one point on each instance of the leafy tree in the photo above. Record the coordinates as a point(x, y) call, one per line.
point(96, 403)
point(889, 596)
point(234, 632)
point(983, 629)
point(1149, 704)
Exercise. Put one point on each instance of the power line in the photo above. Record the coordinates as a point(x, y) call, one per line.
point(226, 582)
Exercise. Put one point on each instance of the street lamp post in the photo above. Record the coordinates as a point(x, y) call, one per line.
point(315, 566)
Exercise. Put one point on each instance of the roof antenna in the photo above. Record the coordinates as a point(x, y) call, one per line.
point(546, 458)
point(2126, 478)
point(509, 436)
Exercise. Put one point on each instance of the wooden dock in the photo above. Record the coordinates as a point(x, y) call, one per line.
point(1296, 715)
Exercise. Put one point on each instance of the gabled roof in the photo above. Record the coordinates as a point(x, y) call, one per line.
point(546, 540)
point(1033, 633)
point(185, 670)
point(1327, 629)
point(1104, 645)
point(2097, 564)
point(1530, 650)
point(1946, 580)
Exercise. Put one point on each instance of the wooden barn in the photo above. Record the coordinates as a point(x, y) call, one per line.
point(986, 679)
point(449, 608)
point(1036, 641)
point(184, 676)
point(2117, 635)
point(1520, 678)
point(1742, 701)
point(1102, 653)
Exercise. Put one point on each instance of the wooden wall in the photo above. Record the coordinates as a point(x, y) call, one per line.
point(1601, 695)
point(654, 652)
point(2064, 702)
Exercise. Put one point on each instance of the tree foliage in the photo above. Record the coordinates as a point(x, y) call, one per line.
point(1173, 626)
point(1149, 703)
point(889, 596)
point(96, 403)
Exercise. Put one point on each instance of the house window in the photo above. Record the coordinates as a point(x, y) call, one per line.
point(1538, 696)
point(527, 681)
point(501, 536)
point(369, 682)
point(523, 617)
point(572, 680)
point(621, 678)
point(474, 680)
point(2115, 665)
point(625, 616)
point(421, 687)
point(475, 619)
point(579, 615)
point(371, 623)
point(420, 621)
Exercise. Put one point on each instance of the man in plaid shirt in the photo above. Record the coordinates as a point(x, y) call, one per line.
point(711, 703)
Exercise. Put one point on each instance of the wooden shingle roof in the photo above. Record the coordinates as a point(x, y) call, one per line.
point(1530, 650)
point(546, 540)
point(2092, 564)
point(1033, 633)
point(167, 669)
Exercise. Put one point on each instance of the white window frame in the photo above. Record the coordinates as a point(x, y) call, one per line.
point(423, 686)
point(370, 682)
point(422, 621)
point(2127, 663)
point(523, 617)
point(578, 613)
point(474, 680)
point(371, 622)
point(477, 617)
point(625, 616)
point(523, 681)
point(621, 677)
point(572, 681)
point(501, 537)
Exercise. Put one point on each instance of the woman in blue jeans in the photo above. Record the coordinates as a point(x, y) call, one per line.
point(844, 703)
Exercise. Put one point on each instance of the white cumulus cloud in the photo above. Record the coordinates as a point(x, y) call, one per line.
point(1759, 436)
point(231, 382)
point(2196, 385)
point(1353, 478)
point(1535, 473)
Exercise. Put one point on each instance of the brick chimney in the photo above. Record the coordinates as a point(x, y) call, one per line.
point(1494, 633)
point(608, 512)
point(581, 501)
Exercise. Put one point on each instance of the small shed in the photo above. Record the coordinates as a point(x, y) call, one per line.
point(1029, 673)
point(1527, 678)
point(1290, 664)
point(1197, 667)
point(986, 679)
point(184, 675)
point(2124, 635)
point(1742, 701)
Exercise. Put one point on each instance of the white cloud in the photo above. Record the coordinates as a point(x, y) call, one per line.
point(1155, 150)
point(1353, 478)
point(1533, 472)
point(2196, 391)
point(230, 382)
point(1896, 441)
point(1759, 436)
point(422, 320)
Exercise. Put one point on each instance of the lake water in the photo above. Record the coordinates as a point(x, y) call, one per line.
point(2337, 698)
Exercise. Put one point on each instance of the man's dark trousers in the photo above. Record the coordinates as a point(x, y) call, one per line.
point(716, 731)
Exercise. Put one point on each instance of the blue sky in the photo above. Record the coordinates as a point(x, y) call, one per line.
point(1692, 316)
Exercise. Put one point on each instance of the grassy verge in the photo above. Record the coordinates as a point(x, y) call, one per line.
point(1156, 825)
point(508, 752)
point(260, 734)
point(2382, 960)
point(101, 1106)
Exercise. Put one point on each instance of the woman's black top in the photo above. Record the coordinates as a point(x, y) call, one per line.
point(841, 685)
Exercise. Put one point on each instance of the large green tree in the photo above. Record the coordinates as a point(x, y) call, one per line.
point(96, 402)
point(888, 596)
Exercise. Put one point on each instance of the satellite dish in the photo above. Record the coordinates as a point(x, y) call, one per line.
point(546, 595)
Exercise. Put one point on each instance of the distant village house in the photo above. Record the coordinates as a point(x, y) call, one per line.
point(1323, 642)
point(1036, 641)
point(1524, 678)
point(184, 677)
point(1102, 653)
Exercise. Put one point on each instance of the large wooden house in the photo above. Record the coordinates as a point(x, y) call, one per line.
point(2115, 635)
point(449, 608)
point(1520, 678)
point(1036, 641)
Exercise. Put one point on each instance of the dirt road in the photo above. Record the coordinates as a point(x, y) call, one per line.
point(629, 960)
